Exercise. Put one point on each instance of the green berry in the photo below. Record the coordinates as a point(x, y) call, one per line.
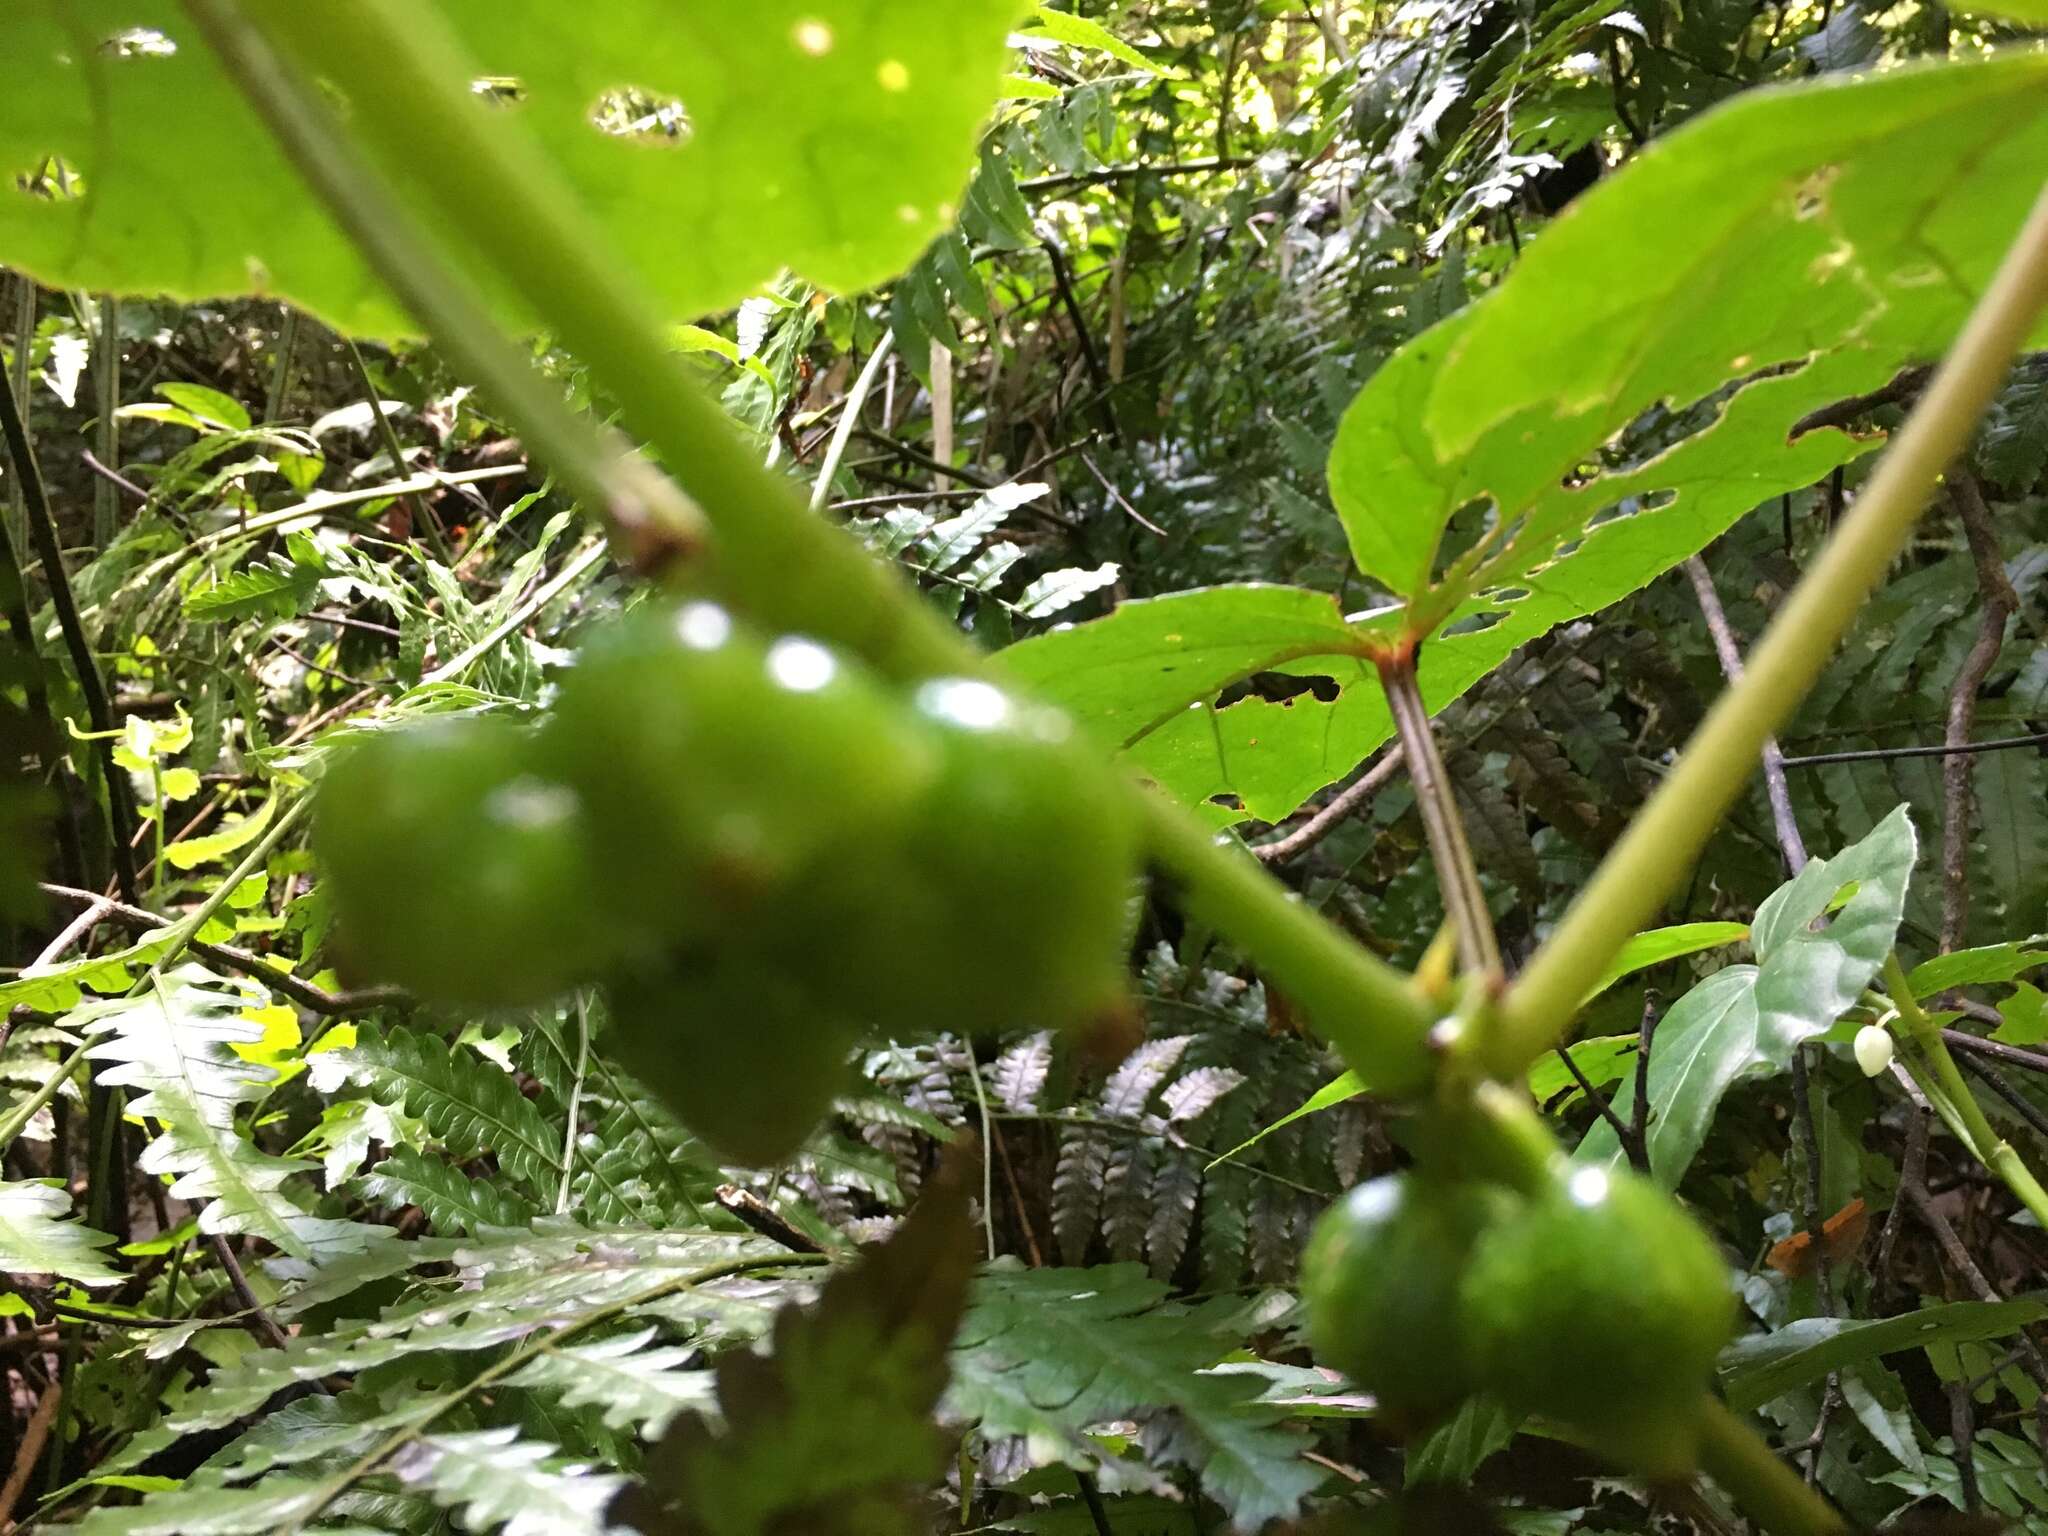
point(745, 1053)
point(1381, 1278)
point(716, 763)
point(1603, 1306)
point(1004, 903)
point(455, 869)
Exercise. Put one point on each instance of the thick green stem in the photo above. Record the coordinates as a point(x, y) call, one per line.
point(1378, 1021)
point(1764, 1485)
point(772, 558)
point(650, 519)
point(1983, 1140)
point(1666, 836)
point(407, 81)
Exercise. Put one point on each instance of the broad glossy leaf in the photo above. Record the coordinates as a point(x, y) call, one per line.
point(830, 136)
point(1973, 967)
point(1845, 230)
point(1746, 1020)
point(1657, 945)
point(1767, 1365)
point(1803, 243)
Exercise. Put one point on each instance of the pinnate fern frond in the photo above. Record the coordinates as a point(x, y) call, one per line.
point(1046, 1353)
point(470, 1106)
point(498, 1481)
point(174, 1043)
point(36, 1239)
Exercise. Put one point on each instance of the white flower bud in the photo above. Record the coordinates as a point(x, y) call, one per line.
point(1873, 1049)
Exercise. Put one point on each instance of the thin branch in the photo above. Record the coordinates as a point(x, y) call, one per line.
point(1104, 175)
point(241, 961)
point(99, 711)
point(1905, 386)
point(1623, 1133)
point(1456, 875)
point(260, 1322)
point(1886, 754)
point(1790, 844)
point(849, 418)
point(1957, 771)
point(1319, 826)
point(1998, 1050)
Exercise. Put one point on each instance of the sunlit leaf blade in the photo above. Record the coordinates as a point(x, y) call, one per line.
point(712, 146)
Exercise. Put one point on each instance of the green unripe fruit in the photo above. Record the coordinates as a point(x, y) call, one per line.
point(455, 869)
point(1603, 1306)
point(1381, 1280)
point(746, 1055)
point(1004, 906)
point(716, 764)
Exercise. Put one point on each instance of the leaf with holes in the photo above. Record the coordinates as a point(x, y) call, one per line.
point(711, 147)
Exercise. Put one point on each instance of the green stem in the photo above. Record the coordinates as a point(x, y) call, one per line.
point(1760, 1481)
point(1667, 835)
point(106, 510)
point(1984, 1142)
point(849, 418)
point(425, 523)
point(1369, 1011)
point(773, 558)
point(650, 520)
point(406, 79)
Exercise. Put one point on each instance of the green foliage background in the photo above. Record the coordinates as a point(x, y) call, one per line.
point(1222, 342)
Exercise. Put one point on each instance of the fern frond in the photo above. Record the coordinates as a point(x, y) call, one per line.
point(452, 1200)
point(1176, 1188)
point(36, 1239)
point(174, 1043)
point(471, 1107)
point(1019, 1074)
point(498, 1481)
point(633, 1386)
point(1131, 1086)
point(1195, 1093)
point(1046, 1353)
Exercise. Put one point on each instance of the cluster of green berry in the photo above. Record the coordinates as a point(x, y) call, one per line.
point(1596, 1303)
point(763, 850)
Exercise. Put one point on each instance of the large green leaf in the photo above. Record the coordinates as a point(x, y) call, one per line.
point(831, 136)
point(1803, 243)
point(1767, 1365)
point(1790, 249)
point(1746, 1020)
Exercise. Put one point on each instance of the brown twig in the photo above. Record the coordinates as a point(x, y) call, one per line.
point(1887, 754)
point(1997, 1050)
point(1111, 173)
point(29, 1452)
point(1623, 1133)
point(304, 993)
point(258, 1321)
point(1903, 387)
point(1319, 826)
point(1957, 771)
point(763, 1218)
point(1730, 653)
